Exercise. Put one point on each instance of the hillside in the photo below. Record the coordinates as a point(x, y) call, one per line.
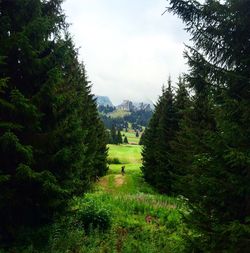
point(118, 113)
point(136, 115)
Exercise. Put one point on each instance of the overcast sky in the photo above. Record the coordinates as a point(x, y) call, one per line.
point(128, 47)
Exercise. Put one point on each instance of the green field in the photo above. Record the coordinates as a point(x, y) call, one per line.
point(126, 153)
point(118, 113)
point(139, 219)
point(132, 139)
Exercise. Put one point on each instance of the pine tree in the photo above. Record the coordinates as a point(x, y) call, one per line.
point(119, 137)
point(220, 172)
point(180, 144)
point(52, 142)
point(141, 141)
point(26, 68)
point(157, 166)
point(125, 141)
point(148, 155)
point(113, 135)
point(182, 100)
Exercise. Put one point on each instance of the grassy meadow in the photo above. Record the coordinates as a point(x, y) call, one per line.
point(118, 113)
point(127, 154)
point(132, 139)
point(130, 215)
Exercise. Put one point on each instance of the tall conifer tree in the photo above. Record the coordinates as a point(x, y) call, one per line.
point(220, 172)
point(157, 165)
point(52, 142)
point(119, 137)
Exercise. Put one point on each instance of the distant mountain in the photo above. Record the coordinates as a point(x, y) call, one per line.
point(129, 106)
point(138, 114)
point(143, 106)
point(126, 105)
point(103, 100)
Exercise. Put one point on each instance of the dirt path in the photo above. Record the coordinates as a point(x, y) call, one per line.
point(119, 180)
point(103, 182)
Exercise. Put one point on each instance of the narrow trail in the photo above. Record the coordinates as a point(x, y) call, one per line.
point(119, 180)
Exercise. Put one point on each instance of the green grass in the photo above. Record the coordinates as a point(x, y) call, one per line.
point(125, 153)
point(129, 202)
point(132, 139)
point(133, 181)
point(118, 113)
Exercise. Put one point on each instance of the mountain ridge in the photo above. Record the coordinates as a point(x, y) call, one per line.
point(126, 105)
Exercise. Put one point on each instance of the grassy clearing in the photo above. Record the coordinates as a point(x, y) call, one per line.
point(132, 139)
point(141, 220)
point(118, 113)
point(126, 153)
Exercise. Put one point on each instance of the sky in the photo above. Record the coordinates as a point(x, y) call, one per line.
point(128, 47)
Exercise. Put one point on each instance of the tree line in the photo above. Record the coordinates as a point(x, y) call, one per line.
point(197, 143)
point(114, 136)
point(136, 118)
point(52, 141)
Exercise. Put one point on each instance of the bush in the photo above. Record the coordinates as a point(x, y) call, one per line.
point(92, 216)
point(113, 161)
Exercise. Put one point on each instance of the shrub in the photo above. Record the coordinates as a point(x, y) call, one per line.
point(92, 216)
point(113, 161)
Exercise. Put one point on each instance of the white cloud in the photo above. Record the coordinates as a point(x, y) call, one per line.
point(129, 49)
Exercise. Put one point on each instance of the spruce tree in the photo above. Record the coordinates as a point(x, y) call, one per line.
point(52, 142)
point(157, 165)
point(219, 193)
point(25, 27)
point(180, 145)
point(182, 100)
point(113, 135)
point(141, 141)
point(125, 141)
point(119, 137)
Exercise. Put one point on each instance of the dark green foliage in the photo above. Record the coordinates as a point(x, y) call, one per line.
point(91, 216)
point(106, 109)
point(109, 122)
point(52, 142)
point(182, 100)
point(137, 118)
point(214, 137)
point(113, 161)
point(113, 136)
point(125, 140)
point(141, 141)
point(157, 165)
point(119, 137)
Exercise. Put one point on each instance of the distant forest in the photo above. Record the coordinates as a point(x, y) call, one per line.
point(138, 119)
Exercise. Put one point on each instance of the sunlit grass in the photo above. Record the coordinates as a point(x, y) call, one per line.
point(118, 113)
point(125, 153)
point(132, 139)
